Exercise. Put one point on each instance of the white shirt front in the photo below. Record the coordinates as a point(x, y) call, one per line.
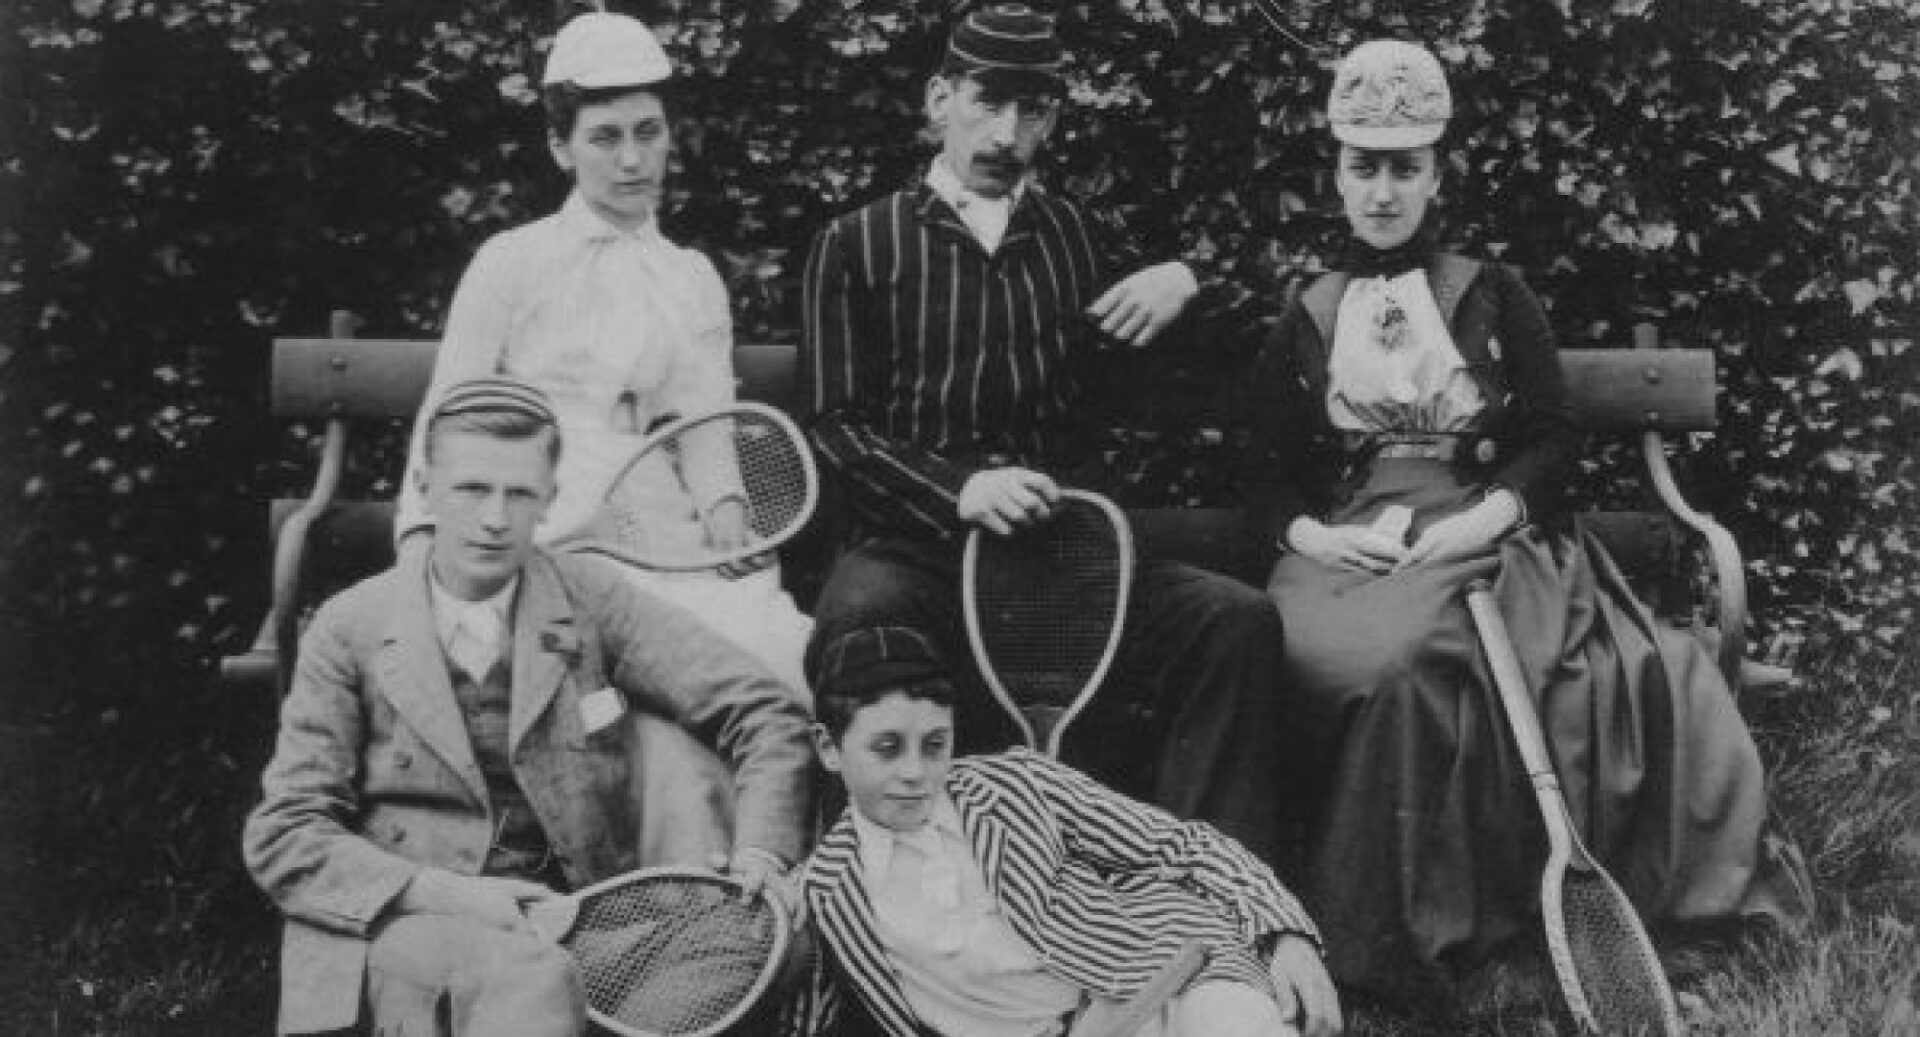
point(962, 967)
point(473, 633)
point(986, 217)
point(1394, 366)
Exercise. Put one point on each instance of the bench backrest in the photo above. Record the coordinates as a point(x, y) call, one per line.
point(371, 378)
point(1613, 390)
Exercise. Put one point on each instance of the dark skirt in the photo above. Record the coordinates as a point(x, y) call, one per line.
point(1427, 852)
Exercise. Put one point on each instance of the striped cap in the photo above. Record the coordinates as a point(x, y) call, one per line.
point(877, 658)
point(495, 394)
point(1005, 40)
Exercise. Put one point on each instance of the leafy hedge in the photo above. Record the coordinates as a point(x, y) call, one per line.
point(190, 178)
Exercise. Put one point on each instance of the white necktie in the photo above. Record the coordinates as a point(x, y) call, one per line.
point(476, 642)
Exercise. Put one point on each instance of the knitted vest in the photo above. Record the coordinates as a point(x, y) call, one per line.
point(519, 843)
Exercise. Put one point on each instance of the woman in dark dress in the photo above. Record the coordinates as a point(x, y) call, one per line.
point(1414, 436)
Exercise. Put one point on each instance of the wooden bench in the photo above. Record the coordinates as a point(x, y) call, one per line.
point(349, 383)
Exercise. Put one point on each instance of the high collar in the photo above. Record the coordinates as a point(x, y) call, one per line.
point(1360, 259)
point(878, 841)
point(448, 608)
point(943, 181)
point(582, 224)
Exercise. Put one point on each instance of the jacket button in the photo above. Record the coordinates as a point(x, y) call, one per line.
point(1485, 451)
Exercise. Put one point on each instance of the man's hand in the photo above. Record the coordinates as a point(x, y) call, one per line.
point(1345, 547)
point(1006, 499)
point(1140, 307)
point(490, 901)
point(1466, 533)
point(1307, 997)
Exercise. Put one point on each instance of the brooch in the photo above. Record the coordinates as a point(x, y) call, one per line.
point(1390, 323)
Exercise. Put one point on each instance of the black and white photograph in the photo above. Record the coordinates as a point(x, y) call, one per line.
point(960, 518)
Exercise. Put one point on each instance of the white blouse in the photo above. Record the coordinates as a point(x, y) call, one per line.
point(1394, 367)
point(619, 328)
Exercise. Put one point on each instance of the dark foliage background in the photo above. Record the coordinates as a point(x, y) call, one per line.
point(183, 180)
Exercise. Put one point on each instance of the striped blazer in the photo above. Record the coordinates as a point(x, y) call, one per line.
point(929, 358)
point(1105, 889)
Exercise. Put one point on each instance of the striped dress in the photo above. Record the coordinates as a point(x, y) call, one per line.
point(929, 358)
point(1105, 889)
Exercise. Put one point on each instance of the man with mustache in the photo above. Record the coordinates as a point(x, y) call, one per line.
point(946, 329)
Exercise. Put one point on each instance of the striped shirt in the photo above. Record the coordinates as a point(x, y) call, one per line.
point(1103, 888)
point(930, 358)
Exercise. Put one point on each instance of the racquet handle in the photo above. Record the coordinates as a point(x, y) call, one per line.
point(1126, 1019)
point(1512, 684)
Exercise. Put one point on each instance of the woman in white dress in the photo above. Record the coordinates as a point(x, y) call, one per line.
point(620, 327)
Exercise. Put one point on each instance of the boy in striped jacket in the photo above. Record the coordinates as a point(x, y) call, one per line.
point(1010, 896)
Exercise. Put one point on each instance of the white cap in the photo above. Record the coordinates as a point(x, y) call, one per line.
point(1388, 95)
point(598, 50)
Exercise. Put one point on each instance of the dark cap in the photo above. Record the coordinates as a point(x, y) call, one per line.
point(1008, 46)
point(870, 660)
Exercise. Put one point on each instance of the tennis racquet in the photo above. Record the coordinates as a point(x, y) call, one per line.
point(1602, 957)
point(1044, 610)
point(668, 952)
point(744, 452)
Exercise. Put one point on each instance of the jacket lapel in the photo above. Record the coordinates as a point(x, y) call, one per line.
point(414, 676)
point(836, 890)
point(542, 618)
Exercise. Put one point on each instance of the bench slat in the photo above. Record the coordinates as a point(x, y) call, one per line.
point(350, 377)
point(386, 378)
point(1632, 390)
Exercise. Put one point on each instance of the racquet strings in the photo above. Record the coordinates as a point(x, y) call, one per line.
point(672, 956)
point(773, 473)
point(775, 478)
point(1047, 600)
point(1625, 987)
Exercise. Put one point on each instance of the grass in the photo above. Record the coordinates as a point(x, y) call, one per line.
point(140, 921)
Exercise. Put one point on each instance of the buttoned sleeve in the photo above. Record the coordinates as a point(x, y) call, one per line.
point(302, 844)
point(895, 483)
point(700, 377)
point(1538, 423)
point(1285, 417)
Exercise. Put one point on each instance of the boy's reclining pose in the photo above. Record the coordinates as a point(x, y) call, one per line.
point(1011, 895)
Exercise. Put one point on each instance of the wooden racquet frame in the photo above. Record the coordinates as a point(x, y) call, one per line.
point(1044, 726)
point(597, 539)
point(1564, 848)
point(554, 920)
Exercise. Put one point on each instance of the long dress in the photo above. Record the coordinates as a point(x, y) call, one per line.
point(620, 330)
point(1426, 854)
